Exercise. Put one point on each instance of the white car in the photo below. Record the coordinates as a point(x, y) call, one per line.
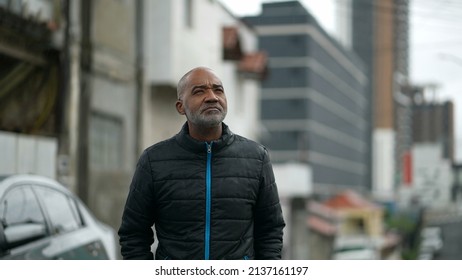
point(41, 219)
point(358, 247)
point(431, 240)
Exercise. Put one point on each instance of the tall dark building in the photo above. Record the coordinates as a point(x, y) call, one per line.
point(314, 104)
point(434, 123)
point(380, 37)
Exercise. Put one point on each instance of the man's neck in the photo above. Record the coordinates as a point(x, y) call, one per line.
point(206, 134)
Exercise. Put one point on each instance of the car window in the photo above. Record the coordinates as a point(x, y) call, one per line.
point(61, 209)
point(22, 218)
point(20, 206)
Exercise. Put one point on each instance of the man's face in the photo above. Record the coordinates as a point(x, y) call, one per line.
point(203, 100)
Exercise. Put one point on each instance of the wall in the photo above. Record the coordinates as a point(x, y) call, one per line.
point(28, 154)
point(112, 113)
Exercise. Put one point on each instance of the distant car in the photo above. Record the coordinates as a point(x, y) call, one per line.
point(41, 219)
point(425, 255)
point(354, 253)
point(431, 240)
point(358, 247)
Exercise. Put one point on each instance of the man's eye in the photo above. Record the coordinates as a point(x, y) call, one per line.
point(198, 92)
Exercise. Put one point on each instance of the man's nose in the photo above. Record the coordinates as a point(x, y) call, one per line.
point(210, 95)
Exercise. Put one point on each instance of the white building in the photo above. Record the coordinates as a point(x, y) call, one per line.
point(432, 177)
point(182, 34)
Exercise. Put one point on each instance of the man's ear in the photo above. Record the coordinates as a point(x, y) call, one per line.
point(179, 107)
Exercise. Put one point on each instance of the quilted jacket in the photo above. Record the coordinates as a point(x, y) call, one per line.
point(215, 200)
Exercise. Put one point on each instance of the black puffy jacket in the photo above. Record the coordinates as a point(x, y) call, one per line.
point(207, 201)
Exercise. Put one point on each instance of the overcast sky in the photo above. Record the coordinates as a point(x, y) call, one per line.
point(435, 38)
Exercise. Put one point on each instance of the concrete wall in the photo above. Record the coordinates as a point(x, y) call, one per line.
point(28, 154)
point(113, 97)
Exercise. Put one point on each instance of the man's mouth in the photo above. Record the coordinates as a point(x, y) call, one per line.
point(210, 109)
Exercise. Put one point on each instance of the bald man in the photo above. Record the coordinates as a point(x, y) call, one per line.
point(211, 194)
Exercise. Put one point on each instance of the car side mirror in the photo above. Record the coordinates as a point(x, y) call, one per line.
point(20, 234)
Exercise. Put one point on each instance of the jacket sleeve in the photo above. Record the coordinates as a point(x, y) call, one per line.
point(135, 233)
point(269, 221)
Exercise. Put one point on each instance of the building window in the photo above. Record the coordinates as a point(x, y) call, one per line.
point(106, 133)
point(188, 13)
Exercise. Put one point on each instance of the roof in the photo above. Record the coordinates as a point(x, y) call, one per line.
point(350, 199)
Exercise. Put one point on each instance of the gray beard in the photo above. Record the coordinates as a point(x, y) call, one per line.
point(205, 121)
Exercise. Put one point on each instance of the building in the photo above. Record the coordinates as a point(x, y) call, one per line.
point(313, 102)
point(380, 32)
point(70, 95)
point(86, 85)
point(177, 38)
point(434, 123)
point(31, 86)
point(431, 182)
point(103, 99)
point(432, 179)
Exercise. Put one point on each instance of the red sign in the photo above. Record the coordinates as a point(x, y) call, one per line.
point(407, 169)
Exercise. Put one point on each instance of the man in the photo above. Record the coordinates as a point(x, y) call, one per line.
point(211, 194)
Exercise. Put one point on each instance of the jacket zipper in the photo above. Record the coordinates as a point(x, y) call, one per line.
point(208, 199)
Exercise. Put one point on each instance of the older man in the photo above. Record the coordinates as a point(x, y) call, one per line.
point(211, 194)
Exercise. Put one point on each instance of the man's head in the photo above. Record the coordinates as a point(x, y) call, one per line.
point(201, 97)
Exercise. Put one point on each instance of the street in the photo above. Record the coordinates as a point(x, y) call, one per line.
point(451, 227)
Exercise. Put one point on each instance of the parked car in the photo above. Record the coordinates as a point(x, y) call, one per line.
point(431, 240)
point(41, 219)
point(357, 247)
